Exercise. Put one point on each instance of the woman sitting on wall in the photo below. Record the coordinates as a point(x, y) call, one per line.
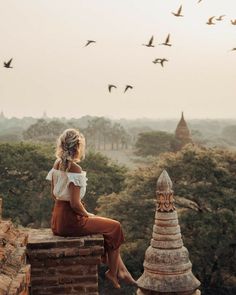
point(69, 216)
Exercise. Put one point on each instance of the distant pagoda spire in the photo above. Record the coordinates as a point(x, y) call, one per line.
point(182, 134)
point(167, 268)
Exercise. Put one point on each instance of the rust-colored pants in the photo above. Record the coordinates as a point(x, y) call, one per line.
point(65, 222)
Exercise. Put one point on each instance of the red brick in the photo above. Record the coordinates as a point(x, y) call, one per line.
point(58, 289)
point(77, 269)
point(91, 288)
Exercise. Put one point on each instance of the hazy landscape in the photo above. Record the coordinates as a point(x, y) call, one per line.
point(151, 85)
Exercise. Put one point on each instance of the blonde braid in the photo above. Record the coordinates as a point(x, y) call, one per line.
point(70, 148)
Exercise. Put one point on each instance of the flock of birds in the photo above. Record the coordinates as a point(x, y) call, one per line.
point(161, 61)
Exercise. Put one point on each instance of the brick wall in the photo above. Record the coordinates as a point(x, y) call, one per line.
point(63, 265)
point(14, 272)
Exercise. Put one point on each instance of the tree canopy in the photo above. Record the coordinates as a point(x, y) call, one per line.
point(205, 187)
point(26, 193)
point(153, 143)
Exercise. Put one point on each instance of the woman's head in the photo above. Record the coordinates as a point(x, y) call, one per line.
point(70, 148)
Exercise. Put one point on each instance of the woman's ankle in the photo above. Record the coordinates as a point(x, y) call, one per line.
point(113, 278)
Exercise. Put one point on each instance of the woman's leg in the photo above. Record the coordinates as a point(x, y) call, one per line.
point(123, 272)
point(111, 274)
point(113, 237)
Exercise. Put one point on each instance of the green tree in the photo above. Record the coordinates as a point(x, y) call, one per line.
point(26, 193)
point(153, 143)
point(104, 177)
point(43, 131)
point(203, 177)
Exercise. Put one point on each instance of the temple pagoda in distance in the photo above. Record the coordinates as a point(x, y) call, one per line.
point(182, 134)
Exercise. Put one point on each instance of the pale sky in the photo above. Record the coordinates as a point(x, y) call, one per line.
point(54, 72)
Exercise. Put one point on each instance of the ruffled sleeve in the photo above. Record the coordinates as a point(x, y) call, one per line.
point(79, 179)
point(49, 175)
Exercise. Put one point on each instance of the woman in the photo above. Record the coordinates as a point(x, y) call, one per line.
point(69, 216)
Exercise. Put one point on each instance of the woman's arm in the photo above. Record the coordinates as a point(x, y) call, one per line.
point(52, 187)
point(75, 201)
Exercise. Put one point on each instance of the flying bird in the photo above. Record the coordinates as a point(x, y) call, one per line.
point(149, 43)
point(167, 41)
point(234, 49)
point(178, 13)
point(220, 17)
point(209, 22)
point(8, 64)
point(160, 61)
point(128, 87)
point(233, 22)
point(110, 86)
point(199, 1)
point(89, 42)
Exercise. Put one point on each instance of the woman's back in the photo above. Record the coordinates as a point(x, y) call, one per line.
point(62, 179)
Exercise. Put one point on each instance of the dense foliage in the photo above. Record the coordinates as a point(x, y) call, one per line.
point(204, 180)
point(154, 143)
point(26, 193)
point(44, 131)
point(101, 133)
point(104, 177)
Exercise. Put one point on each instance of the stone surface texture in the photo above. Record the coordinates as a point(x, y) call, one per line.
point(167, 268)
point(14, 272)
point(63, 265)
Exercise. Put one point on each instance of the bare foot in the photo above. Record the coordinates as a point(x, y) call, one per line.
point(126, 276)
point(113, 279)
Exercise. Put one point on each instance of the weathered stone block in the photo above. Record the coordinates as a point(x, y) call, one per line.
point(63, 265)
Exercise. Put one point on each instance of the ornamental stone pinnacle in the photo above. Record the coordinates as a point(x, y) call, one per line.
point(165, 197)
point(167, 268)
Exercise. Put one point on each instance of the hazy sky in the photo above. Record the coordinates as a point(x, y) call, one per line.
point(54, 72)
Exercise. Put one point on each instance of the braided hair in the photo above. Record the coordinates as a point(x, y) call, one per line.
point(70, 148)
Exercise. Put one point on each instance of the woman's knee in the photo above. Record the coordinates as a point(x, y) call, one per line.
point(117, 225)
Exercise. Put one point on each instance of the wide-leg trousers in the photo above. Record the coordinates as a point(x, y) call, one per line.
point(65, 222)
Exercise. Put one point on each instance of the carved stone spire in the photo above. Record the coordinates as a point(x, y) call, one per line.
point(165, 198)
point(167, 268)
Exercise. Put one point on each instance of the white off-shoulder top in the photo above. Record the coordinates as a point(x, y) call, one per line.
point(61, 181)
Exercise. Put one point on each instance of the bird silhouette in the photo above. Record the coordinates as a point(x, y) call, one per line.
point(89, 42)
point(128, 87)
point(220, 18)
point(149, 43)
point(233, 22)
point(209, 22)
point(233, 49)
point(199, 1)
point(167, 41)
point(160, 61)
point(110, 86)
point(178, 13)
point(8, 64)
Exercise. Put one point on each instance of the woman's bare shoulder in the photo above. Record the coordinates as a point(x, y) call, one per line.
point(75, 168)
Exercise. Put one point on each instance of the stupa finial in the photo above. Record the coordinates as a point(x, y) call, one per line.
point(164, 182)
point(165, 196)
